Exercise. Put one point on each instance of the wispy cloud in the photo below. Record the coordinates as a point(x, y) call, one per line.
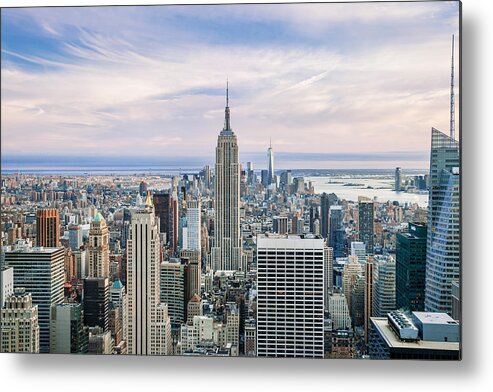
point(317, 78)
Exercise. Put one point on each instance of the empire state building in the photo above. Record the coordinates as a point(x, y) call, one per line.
point(226, 253)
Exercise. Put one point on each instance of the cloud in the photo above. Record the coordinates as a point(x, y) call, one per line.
point(143, 82)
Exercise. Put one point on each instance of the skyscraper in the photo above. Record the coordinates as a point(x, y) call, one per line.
point(226, 253)
point(411, 267)
point(47, 227)
point(383, 285)
point(443, 240)
point(350, 273)
point(280, 224)
point(398, 179)
point(41, 272)
point(194, 225)
point(326, 200)
point(172, 290)
point(337, 237)
point(368, 313)
point(162, 208)
point(328, 275)
point(19, 328)
point(270, 157)
point(98, 249)
point(193, 275)
point(290, 296)
point(148, 324)
point(96, 302)
point(365, 223)
point(75, 237)
point(68, 333)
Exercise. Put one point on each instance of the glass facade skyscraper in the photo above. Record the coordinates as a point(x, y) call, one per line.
point(443, 243)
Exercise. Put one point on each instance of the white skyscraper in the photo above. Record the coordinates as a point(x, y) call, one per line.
point(19, 328)
point(193, 225)
point(6, 284)
point(148, 323)
point(290, 296)
point(227, 253)
point(358, 249)
point(328, 275)
point(339, 311)
point(270, 157)
point(383, 285)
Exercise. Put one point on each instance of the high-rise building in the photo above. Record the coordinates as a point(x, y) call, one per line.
point(398, 179)
point(337, 236)
point(358, 249)
point(98, 249)
point(456, 313)
point(194, 308)
point(162, 208)
point(410, 267)
point(69, 335)
point(174, 220)
point(264, 177)
point(280, 224)
point(193, 274)
point(339, 311)
point(118, 300)
point(443, 239)
point(350, 273)
point(290, 296)
point(270, 157)
point(75, 237)
point(194, 225)
point(6, 284)
point(328, 275)
point(326, 201)
point(100, 341)
point(383, 285)
point(227, 251)
point(96, 302)
point(251, 179)
point(148, 324)
point(424, 335)
point(142, 188)
point(47, 227)
point(368, 313)
point(172, 290)
point(365, 223)
point(19, 328)
point(41, 272)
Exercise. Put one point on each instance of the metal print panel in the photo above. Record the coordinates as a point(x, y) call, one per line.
point(242, 180)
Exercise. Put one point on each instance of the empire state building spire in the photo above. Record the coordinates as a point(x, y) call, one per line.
point(227, 116)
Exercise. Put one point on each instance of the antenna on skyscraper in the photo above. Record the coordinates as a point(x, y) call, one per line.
point(452, 96)
point(227, 93)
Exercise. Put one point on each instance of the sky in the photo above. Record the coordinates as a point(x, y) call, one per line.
point(354, 85)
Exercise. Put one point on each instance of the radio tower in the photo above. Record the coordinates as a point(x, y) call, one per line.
point(452, 96)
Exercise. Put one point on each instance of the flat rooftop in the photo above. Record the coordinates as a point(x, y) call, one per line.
point(34, 249)
point(434, 318)
point(393, 341)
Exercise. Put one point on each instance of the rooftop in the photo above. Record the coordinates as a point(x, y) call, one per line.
point(434, 318)
point(393, 341)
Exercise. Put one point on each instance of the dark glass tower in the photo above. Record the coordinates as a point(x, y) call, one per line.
point(366, 218)
point(411, 267)
point(96, 302)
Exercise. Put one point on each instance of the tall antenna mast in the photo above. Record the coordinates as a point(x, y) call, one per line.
point(452, 96)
